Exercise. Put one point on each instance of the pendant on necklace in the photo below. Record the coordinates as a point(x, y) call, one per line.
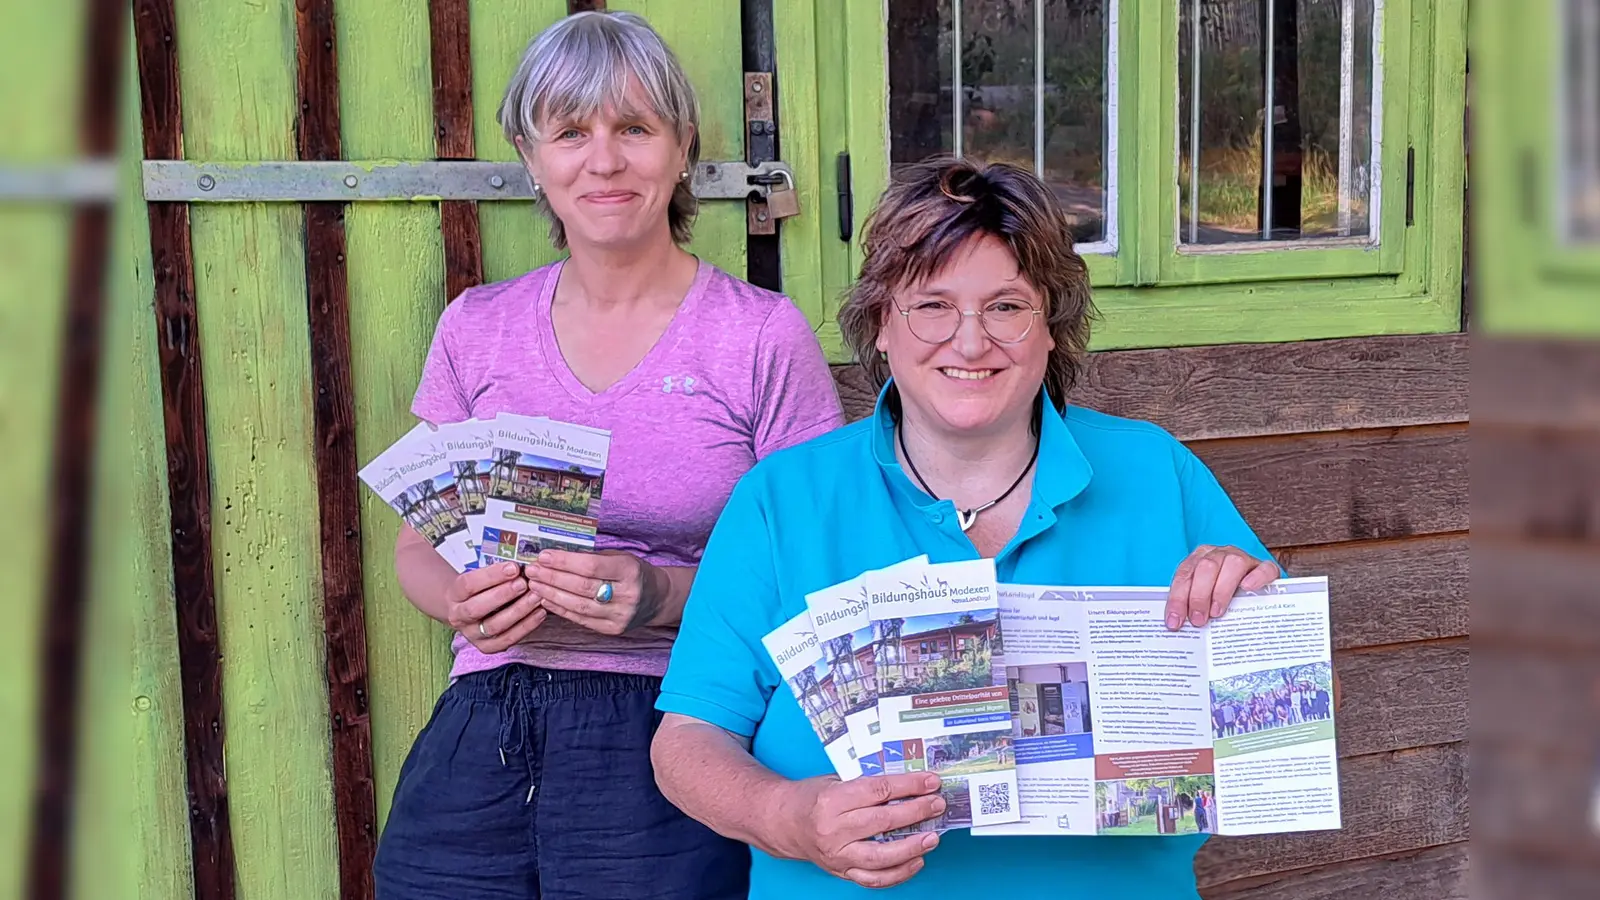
point(966, 517)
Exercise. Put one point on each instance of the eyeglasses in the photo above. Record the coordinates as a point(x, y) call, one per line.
point(937, 321)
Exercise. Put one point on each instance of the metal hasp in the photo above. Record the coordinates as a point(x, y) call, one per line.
point(89, 181)
point(179, 181)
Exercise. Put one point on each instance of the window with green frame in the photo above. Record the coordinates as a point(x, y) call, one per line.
point(1149, 120)
point(1536, 127)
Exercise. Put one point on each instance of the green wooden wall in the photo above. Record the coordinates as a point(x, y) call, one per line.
point(237, 65)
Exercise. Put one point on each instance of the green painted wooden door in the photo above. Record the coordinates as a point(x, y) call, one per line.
point(237, 70)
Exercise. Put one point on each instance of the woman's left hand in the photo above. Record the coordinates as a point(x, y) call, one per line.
point(568, 583)
point(1208, 579)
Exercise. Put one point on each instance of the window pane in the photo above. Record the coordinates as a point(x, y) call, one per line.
point(1581, 91)
point(1027, 81)
point(1312, 63)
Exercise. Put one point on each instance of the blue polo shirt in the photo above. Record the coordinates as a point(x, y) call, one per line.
point(1114, 501)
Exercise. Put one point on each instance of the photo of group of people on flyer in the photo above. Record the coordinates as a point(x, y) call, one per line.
point(1264, 700)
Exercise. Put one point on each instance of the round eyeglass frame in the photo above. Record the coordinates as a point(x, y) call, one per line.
point(983, 322)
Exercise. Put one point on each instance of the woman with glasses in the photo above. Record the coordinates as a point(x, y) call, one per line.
point(532, 779)
point(972, 313)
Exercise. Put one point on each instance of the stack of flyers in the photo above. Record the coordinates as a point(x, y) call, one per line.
point(414, 477)
point(843, 625)
point(943, 703)
point(496, 489)
point(793, 647)
point(544, 490)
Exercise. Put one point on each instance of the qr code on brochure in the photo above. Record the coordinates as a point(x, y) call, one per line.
point(994, 799)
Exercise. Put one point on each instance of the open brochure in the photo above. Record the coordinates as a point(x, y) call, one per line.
point(1074, 710)
point(1123, 727)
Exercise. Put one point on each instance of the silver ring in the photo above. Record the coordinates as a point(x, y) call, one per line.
point(603, 593)
point(483, 631)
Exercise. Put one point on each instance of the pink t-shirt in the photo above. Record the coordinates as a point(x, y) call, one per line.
point(737, 375)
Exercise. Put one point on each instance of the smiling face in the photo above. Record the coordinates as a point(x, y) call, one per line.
point(970, 384)
point(610, 178)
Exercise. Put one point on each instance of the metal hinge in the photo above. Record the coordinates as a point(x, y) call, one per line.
point(1411, 186)
point(180, 181)
point(85, 181)
point(847, 201)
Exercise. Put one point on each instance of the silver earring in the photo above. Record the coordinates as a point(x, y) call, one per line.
point(684, 175)
point(536, 190)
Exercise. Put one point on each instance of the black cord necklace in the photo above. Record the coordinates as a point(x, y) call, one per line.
point(965, 517)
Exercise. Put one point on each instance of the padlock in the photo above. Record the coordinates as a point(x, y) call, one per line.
point(782, 200)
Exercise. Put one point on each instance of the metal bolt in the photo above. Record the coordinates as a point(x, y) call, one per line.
point(142, 703)
point(711, 171)
point(497, 182)
point(761, 216)
point(207, 182)
point(350, 181)
point(755, 87)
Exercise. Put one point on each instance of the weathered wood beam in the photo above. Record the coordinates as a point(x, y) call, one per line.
point(1533, 696)
point(334, 452)
point(72, 467)
point(450, 31)
point(1536, 593)
point(1388, 592)
point(1537, 483)
point(1432, 874)
point(1534, 799)
point(1530, 382)
point(1251, 390)
point(1346, 486)
point(1534, 872)
point(188, 463)
point(1401, 697)
point(1391, 803)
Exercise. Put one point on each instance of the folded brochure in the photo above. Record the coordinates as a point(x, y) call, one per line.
point(1090, 715)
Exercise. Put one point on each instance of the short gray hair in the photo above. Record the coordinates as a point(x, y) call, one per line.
point(584, 62)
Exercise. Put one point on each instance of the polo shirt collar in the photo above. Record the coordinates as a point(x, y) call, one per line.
point(1062, 472)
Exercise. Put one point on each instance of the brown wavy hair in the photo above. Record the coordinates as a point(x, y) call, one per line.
point(930, 211)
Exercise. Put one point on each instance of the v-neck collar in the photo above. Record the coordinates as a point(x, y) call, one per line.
point(664, 346)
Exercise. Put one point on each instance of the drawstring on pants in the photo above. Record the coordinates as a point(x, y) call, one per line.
point(514, 719)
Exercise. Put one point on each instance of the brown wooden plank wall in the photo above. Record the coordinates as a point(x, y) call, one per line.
point(188, 464)
point(1349, 458)
point(318, 137)
point(1536, 493)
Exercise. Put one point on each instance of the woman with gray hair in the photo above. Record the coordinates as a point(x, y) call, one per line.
point(532, 778)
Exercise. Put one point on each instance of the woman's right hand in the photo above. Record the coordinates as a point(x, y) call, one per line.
point(492, 607)
point(832, 823)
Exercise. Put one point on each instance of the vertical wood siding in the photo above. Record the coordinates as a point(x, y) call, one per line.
point(397, 269)
point(238, 70)
point(41, 67)
point(317, 133)
point(74, 446)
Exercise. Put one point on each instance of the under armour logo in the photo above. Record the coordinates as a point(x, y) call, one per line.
point(669, 382)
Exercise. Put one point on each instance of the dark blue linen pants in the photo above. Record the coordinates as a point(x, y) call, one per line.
point(535, 784)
